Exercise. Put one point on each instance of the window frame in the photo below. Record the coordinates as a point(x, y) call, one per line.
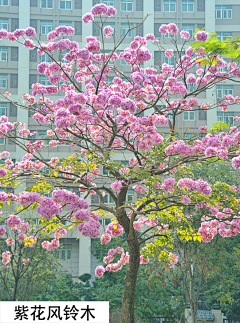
point(2, 141)
point(222, 10)
point(65, 4)
point(3, 51)
point(188, 3)
point(4, 5)
point(188, 113)
point(4, 23)
point(45, 26)
point(47, 7)
point(168, 3)
point(63, 252)
point(224, 116)
point(3, 107)
point(225, 90)
point(109, 2)
point(222, 37)
point(126, 26)
point(126, 3)
point(4, 79)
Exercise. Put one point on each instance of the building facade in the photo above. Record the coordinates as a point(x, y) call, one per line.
point(18, 66)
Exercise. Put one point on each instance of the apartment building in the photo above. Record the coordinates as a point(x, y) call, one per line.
point(18, 67)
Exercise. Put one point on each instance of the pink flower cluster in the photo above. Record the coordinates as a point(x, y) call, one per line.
point(114, 229)
point(71, 199)
point(173, 259)
point(27, 198)
point(201, 36)
point(54, 244)
point(60, 232)
point(99, 271)
point(170, 28)
point(105, 238)
point(91, 226)
point(144, 260)
point(10, 241)
point(47, 208)
point(116, 186)
point(6, 257)
point(3, 172)
point(168, 184)
point(13, 221)
point(2, 231)
point(110, 257)
point(201, 186)
point(108, 31)
point(140, 189)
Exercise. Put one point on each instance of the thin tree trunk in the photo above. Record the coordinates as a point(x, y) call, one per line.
point(130, 281)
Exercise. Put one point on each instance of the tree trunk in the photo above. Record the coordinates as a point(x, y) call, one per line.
point(130, 281)
point(193, 315)
point(134, 251)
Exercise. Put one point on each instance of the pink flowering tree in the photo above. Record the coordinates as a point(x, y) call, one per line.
point(25, 264)
point(99, 114)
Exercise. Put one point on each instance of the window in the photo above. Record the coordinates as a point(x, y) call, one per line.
point(130, 195)
point(13, 110)
point(189, 115)
point(126, 5)
point(157, 5)
point(64, 252)
point(187, 5)
point(2, 141)
point(125, 28)
point(109, 2)
point(226, 117)
point(65, 23)
point(14, 54)
point(4, 23)
point(46, 26)
point(224, 90)
point(3, 2)
point(45, 58)
point(33, 55)
point(14, 81)
point(108, 199)
point(223, 36)
point(3, 81)
point(202, 115)
point(78, 27)
point(4, 54)
point(223, 12)
point(169, 5)
point(44, 80)
point(33, 3)
point(48, 4)
point(200, 5)
point(65, 4)
point(189, 28)
point(3, 109)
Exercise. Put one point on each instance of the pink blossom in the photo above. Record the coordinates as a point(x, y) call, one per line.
point(116, 186)
point(201, 36)
point(105, 238)
point(99, 271)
